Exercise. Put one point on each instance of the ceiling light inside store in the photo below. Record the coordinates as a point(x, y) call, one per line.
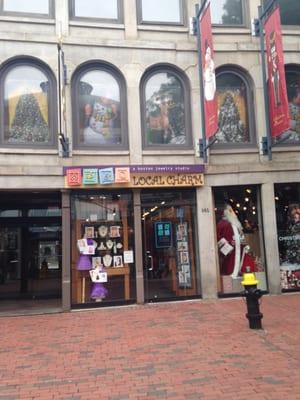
point(248, 190)
point(246, 199)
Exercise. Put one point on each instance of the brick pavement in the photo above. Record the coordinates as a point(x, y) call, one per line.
point(185, 350)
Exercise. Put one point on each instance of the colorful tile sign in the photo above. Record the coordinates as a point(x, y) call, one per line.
point(74, 177)
point(122, 175)
point(90, 176)
point(106, 176)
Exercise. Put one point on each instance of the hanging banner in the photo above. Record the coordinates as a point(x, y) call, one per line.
point(278, 101)
point(209, 77)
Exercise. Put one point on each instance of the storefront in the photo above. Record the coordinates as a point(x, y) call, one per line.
point(287, 197)
point(133, 234)
point(30, 250)
point(239, 234)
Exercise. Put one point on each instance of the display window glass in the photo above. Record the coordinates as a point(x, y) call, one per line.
point(27, 106)
point(165, 109)
point(287, 200)
point(292, 135)
point(99, 101)
point(171, 268)
point(239, 236)
point(103, 269)
point(234, 99)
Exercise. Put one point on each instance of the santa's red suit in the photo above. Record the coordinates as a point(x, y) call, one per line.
point(235, 262)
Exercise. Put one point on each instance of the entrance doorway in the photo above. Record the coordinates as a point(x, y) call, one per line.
point(170, 259)
point(30, 250)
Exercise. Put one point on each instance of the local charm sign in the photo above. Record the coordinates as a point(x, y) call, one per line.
point(134, 176)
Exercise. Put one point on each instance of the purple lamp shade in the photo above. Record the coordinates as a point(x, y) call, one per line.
point(84, 263)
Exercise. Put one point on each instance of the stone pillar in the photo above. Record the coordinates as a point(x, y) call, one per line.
point(130, 20)
point(66, 251)
point(270, 236)
point(207, 243)
point(138, 248)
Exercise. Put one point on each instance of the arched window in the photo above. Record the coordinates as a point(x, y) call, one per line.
point(292, 76)
point(99, 107)
point(236, 128)
point(165, 109)
point(28, 101)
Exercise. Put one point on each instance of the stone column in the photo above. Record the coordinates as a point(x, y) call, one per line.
point(207, 243)
point(139, 259)
point(66, 251)
point(270, 236)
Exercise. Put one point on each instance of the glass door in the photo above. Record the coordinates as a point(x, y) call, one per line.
point(170, 260)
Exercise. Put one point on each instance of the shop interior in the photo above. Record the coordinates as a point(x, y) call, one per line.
point(30, 251)
point(169, 245)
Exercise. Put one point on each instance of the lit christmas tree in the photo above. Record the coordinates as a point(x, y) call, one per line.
point(232, 129)
point(29, 124)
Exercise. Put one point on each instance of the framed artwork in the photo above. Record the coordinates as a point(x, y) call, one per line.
point(96, 262)
point(89, 232)
point(182, 246)
point(118, 261)
point(184, 257)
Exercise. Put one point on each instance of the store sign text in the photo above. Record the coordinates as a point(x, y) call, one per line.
point(167, 180)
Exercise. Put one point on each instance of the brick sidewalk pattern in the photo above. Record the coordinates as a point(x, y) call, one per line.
point(183, 350)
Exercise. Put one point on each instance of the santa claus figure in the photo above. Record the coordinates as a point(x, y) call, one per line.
point(233, 250)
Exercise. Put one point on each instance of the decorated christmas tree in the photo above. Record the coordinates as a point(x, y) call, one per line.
point(29, 124)
point(232, 129)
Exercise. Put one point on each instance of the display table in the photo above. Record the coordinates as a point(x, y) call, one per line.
point(125, 271)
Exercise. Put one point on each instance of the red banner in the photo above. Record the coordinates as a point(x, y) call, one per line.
point(278, 101)
point(209, 77)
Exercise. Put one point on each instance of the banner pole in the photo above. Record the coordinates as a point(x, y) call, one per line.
point(203, 140)
point(265, 89)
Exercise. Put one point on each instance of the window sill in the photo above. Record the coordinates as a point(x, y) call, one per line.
point(231, 150)
point(219, 30)
point(16, 150)
point(100, 24)
point(168, 152)
point(163, 28)
point(101, 152)
point(29, 20)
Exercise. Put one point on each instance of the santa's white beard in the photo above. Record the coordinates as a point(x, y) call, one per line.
point(233, 220)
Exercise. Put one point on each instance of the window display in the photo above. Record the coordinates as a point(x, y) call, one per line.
point(287, 197)
point(102, 232)
point(238, 236)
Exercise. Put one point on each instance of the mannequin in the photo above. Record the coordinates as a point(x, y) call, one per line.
point(233, 250)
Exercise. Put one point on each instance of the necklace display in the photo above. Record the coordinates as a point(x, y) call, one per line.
point(107, 259)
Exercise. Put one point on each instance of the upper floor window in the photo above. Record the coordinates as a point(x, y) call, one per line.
point(99, 102)
point(289, 11)
point(227, 12)
point(236, 128)
point(28, 99)
point(161, 11)
point(106, 11)
point(41, 8)
point(292, 76)
point(165, 110)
